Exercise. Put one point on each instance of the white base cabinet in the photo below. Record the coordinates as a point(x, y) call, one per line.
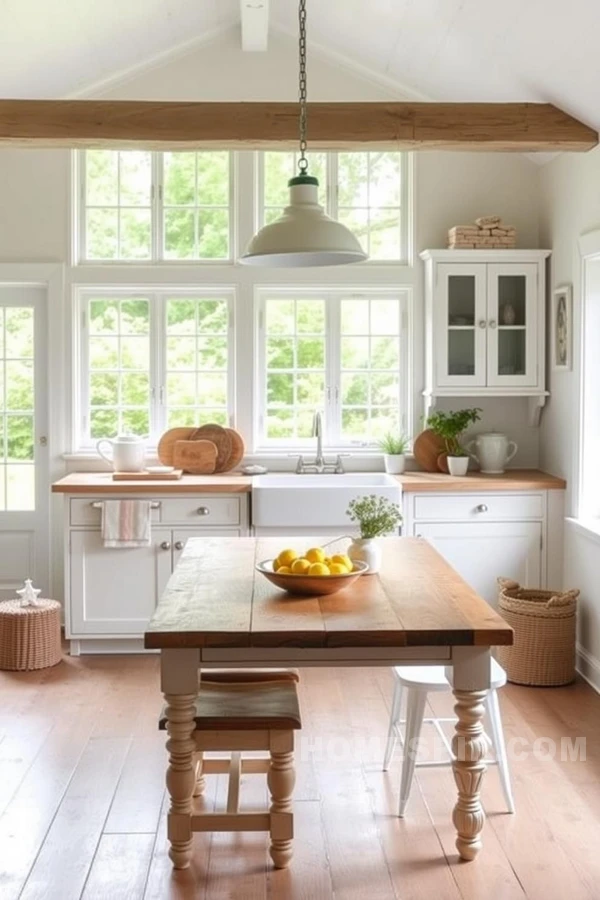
point(112, 593)
point(485, 536)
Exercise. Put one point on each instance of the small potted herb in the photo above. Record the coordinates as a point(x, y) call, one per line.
point(376, 516)
point(393, 447)
point(450, 426)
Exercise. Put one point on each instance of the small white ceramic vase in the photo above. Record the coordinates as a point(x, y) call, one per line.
point(458, 465)
point(394, 463)
point(366, 550)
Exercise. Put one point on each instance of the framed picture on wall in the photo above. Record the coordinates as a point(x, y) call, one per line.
point(561, 347)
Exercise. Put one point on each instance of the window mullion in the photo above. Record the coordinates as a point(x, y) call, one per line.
point(158, 354)
point(157, 211)
point(332, 417)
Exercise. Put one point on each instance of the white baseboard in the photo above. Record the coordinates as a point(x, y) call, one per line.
point(588, 667)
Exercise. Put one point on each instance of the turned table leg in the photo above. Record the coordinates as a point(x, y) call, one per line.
point(179, 682)
point(281, 779)
point(469, 746)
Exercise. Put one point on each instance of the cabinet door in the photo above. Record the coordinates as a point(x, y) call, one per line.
point(484, 552)
point(115, 591)
point(182, 535)
point(460, 319)
point(512, 325)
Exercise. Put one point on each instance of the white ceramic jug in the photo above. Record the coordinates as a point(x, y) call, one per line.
point(128, 453)
point(493, 452)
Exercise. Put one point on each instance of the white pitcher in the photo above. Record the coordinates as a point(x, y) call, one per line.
point(493, 452)
point(128, 453)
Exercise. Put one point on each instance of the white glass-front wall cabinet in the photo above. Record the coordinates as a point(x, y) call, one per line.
point(485, 315)
point(111, 594)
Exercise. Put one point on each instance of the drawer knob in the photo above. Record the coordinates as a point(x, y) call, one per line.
point(481, 508)
point(203, 511)
point(179, 545)
point(165, 545)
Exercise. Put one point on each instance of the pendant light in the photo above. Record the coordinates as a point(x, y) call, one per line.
point(304, 235)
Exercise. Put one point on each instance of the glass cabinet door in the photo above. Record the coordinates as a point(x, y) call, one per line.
point(512, 329)
point(460, 316)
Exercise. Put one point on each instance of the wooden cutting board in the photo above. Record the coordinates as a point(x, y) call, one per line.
point(237, 449)
point(166, 445)
point(427, 448)
point(195, 457)
point(221, 438)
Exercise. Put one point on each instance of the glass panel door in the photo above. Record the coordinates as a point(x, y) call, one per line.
point(23, 439)
point(460, 315)
point(512, 324)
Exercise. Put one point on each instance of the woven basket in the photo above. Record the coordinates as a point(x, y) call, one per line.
point(29, 635)
point(543, 652)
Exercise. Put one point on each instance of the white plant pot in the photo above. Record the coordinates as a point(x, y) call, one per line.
point(394, 463)
point(366, 550)
point(458, 465)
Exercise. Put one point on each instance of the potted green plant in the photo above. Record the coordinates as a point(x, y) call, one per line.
point(375, 516)
point(394, 446)
point(450, 426)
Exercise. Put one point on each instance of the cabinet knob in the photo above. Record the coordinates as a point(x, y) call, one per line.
point(203, 511)
point(493, 323)
point(482, 323)
point(481, 508)
point(166, 545)
point(178, 545)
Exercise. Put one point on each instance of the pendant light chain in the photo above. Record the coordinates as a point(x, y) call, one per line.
point(302, 162)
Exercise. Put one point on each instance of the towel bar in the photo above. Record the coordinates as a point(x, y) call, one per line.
point(97, 504)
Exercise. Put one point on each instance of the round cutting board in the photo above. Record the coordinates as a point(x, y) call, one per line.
point(427, 448)
point(237, 449)
point(220, 438)
point(166, 444)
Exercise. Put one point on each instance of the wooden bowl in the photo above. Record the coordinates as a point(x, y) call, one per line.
point(311, 585)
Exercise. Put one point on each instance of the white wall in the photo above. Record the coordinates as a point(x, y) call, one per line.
point(570, 207)
point(450, 187)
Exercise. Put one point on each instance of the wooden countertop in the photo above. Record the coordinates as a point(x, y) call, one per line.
point(217, 599)
point(234, 483)
point(102, 483)
point(512, 480)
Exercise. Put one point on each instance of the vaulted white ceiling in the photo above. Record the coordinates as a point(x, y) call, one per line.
point(544, 50)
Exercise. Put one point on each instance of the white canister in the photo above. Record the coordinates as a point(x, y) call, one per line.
point(128, 453)
point(494, 452)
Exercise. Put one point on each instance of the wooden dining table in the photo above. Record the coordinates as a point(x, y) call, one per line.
point(218, 610)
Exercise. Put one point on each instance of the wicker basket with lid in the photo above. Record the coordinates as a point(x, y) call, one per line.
point(29, 635)
point(543, 652)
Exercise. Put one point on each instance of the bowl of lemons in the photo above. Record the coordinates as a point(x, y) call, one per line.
point(313, 573)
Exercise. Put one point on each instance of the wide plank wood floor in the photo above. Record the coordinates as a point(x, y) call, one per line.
point(83, 808)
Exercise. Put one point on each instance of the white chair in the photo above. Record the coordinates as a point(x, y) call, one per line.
point(418, 681)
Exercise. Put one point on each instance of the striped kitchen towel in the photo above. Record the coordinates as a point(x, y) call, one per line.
point(126, 523)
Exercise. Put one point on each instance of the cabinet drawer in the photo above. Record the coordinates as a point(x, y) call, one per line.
point(199, 511)
point(479, 507)
point(84, 512)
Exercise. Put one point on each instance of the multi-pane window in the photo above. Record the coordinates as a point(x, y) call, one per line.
point(140, 206)
point(152, 360)
point(339, 352)
point(17, 470)
point(366, 190)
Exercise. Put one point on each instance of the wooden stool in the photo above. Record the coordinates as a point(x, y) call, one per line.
point(246, 710)
point(417, 682)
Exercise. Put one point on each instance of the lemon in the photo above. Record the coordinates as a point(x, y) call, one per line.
point(276, 564)
point(337, 569)
point(287, 557)
point(318, 568)
point(315, 555)
point(284, 570)
point(327, 561)
point(343, 560)
point(300, 566)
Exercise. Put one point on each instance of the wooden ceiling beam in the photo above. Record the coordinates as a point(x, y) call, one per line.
point(521, 127)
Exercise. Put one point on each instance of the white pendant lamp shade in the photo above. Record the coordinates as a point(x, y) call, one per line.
point(304, 235)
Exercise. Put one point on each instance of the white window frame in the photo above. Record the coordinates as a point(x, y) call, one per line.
point(157, 295)
point(332, 439)
point(406, 199)
point(156, 217)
